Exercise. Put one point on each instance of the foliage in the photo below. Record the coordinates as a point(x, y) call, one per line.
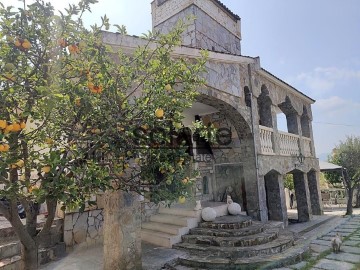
point(78, 117)
point(289, 181)
point(347, 155)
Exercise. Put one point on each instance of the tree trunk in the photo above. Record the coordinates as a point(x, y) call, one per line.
point(122, 231)
point(358, 196)
point(349, 208)
point(30, 257)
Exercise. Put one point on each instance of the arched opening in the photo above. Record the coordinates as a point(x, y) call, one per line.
point(264, 107)
point(281, 121)
point(247, 96)
point(229, 170)
point(305, 123)
point(291, 116)
point(275, 196)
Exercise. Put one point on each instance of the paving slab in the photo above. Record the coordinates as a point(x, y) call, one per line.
point(318, 248)
point(322, 242)
point(349, 249)
point(298, 266)
point(352, 243)
point(334, 233)
point(344, 257)
point(334, 265)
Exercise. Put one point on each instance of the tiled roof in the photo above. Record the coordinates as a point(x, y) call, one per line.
point(225, 8)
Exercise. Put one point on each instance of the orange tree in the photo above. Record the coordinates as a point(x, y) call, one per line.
point(77, 118)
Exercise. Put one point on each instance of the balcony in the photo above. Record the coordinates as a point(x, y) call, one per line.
point(288, 144)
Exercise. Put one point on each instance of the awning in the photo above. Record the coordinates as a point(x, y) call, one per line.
point(328, 167)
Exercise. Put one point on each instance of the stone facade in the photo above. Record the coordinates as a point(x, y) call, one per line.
point(84, 229)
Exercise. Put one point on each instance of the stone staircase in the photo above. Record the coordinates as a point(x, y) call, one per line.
point(10, 248)
point(233, 242)
point(168, 226)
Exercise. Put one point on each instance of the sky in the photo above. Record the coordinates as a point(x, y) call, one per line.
point(312, 45)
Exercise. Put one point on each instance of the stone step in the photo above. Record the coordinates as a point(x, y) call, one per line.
point(284, 241)
point(9, 249)
point(242, 241)
point(166, 228)
point(218, 224)
point(254, 229)
point(13, 263)
point(289, 256)
point(189, 222)
point(160, 238)
point(184, 212)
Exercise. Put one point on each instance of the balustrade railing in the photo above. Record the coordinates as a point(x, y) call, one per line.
point(307, 147)
point(266, 140)
point(289, 144)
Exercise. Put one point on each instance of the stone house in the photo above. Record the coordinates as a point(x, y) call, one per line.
point(243, 100)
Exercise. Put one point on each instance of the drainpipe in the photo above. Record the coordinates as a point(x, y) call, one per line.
point(254, 142)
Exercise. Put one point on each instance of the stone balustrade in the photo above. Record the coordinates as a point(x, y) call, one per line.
point(289, 144)
point(266, 140)
point(307, 147)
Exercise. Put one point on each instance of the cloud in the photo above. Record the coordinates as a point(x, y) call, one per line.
point(337, 106)
point(326, 78)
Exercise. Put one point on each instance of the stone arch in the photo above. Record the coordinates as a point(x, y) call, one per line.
point(247, 96)
point(291, 115)
point(264, 108)
point(230, 110)
point(305, 123)
point(275, 196)
point(239, 173)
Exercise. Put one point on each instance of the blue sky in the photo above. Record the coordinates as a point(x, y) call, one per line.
point(313, 45)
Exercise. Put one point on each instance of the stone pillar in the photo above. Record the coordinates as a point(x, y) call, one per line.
point(302, 196)
point(275, 196)
point(122, 231)
point(315, 193)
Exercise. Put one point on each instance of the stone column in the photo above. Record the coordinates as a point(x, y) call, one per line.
point(275, 196)
point(302, 196)
point(122, 231)
point(315, 193)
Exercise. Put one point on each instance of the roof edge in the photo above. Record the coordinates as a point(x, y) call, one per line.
point(298, 92)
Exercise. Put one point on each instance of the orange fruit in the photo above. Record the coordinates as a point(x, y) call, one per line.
point(3, 124)
point(46, 169)
point(16, 127)
point(49, 141)
point(184, 181)
point(26, 44)
point(73, 49)
point(168, 87)
point(182, 199)
point(17, 42)
point(20, 163)
point(2, 148)
point(6, 147)
point(9, 127)
point(62, 42)
point(159, 113)
point(22, 125)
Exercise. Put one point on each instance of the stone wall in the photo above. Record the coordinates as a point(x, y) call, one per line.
point(84, 229)
point(163, 10)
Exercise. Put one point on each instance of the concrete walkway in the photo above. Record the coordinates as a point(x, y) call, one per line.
point(322, 259)
point(322, 256)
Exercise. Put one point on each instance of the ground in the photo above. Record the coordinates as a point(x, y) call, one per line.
point(322, 258)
